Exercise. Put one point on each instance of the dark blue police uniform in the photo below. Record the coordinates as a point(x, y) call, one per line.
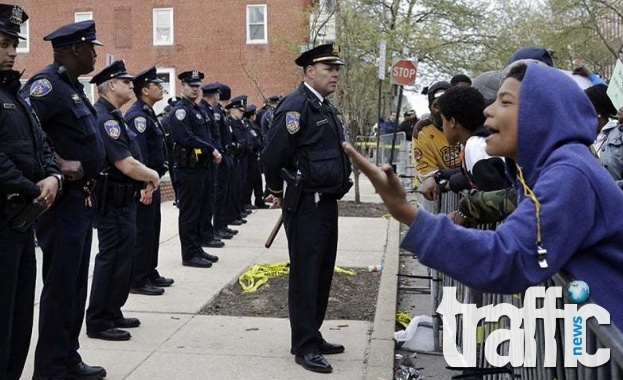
point(25, 159)
point(241, 152)
point(254, 185)
point(65, 231)
point(305, 139)
point(115, 220)
point(192, 155)
point(225, 193)
point(142, 120)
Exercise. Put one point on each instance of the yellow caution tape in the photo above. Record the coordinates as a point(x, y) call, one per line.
point(403, 318)
point(259, 274)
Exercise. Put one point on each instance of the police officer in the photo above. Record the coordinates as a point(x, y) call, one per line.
point(64, 232)
point(212, 237)
point(193, 155)
point(266, 119)
point(143, 121)
point(166, 116)
point(236, 109)
point(116, 218)
point(254, 175)
point(305, 140)
point(28, 173)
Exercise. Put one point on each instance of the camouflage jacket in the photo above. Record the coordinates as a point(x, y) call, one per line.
point(489, 206)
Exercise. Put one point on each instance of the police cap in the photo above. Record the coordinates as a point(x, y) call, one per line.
point(328, 54)
point(225, 92)
point(115, 70)
point(211, 88)
point(193, 77)
point(250, 110)
point(238, 102)
point(83, 31)
point(11, 18)
point(147, 76)
point(273, 99)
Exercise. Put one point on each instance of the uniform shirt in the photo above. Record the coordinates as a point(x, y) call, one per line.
point(256, 138)
point(208, 113)
point(431, 152)
point(119, 140)
point(189, 128)
point(224, 127)
point(67, 117)
point(142, 120)
point(241, 137)
point(25, 155)
point(306, 136)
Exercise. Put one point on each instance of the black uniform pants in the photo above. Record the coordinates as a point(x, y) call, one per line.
point(207, 212)
point(222, 215)
point(116, 233)
point(18, 269)
point(64, 233)
point(192, 195)
point(148, 220)
point(257, 184)
point(233, 206)
point(312, 244)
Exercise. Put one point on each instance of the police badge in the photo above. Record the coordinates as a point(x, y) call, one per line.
point(140, 123)
point(293, 122)
point(112, 128)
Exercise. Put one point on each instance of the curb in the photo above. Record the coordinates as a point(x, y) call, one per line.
point(381, 352)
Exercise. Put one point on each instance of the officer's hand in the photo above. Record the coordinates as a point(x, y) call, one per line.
point(146, 195)
point(72, 169)
point(387, 184)
point(277, 202)
point(49, 189)
point(217, 156)
point(430, 189)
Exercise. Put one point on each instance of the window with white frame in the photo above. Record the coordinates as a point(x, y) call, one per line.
point(256, 24)
point(83, 16)
point(89, 88)
point(163, 26)
point(24, 45)
point(168, 76)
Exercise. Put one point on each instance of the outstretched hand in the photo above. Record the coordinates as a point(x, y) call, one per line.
point(387, 184)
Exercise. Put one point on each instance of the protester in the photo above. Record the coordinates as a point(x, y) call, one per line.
point(543, 123)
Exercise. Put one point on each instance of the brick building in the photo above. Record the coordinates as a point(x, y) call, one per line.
point(250, 45)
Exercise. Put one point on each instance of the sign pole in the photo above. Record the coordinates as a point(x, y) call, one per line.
point(382, 49)
point(391, 153)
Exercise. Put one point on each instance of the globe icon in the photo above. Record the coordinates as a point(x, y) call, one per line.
point(578, 291)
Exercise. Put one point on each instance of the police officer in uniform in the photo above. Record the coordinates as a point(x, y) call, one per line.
point(28, 173)
point(193, 155)
point(116, 218)
point(254, 175)
point(266, 118)
point(305, 140)
point(236, 108)
point(64, 232)
point(143, 121)
point(212, 237)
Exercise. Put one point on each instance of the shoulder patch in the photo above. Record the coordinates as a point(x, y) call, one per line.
point(40, 87)
point(141, 124)
point(293, 122)
point(417, 153)
point(112, 128)
point(180, 114)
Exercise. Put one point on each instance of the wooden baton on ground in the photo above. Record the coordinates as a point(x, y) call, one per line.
point(274, 232)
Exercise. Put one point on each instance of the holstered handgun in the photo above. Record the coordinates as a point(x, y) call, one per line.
point(20, 213)
point(293, 191)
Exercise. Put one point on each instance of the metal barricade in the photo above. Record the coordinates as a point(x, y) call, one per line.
point(598, 336)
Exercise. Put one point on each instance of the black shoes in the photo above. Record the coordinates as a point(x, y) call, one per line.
point(214, 243)
point(209, 257)
point(147, 290)
point(113, 334)
point(127, 323)
point(222, 234)
point(84, 371)
point(237, 222)
point(230, 231)
point(327, 348)
point(162, 282)
point(313, 361)
point(197, 262)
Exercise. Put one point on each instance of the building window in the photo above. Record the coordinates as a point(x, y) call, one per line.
point(24, 46)
point(89, 88)
point(163, 26)
point(168, 76)
point(83, 16)
point(256, 24)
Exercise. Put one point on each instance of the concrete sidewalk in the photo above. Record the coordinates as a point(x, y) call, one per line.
point(173, 342)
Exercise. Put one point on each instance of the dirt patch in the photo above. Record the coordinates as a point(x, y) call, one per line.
point(351, 298)
point(361, 210)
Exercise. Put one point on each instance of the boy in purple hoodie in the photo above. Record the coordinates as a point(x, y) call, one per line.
point(568, 216)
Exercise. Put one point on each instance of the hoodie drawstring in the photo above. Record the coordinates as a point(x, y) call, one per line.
point(541, 252)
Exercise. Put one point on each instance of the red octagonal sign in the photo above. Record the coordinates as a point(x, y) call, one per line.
point(404, 72)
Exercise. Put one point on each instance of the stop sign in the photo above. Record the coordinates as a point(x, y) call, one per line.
point(404, 72)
